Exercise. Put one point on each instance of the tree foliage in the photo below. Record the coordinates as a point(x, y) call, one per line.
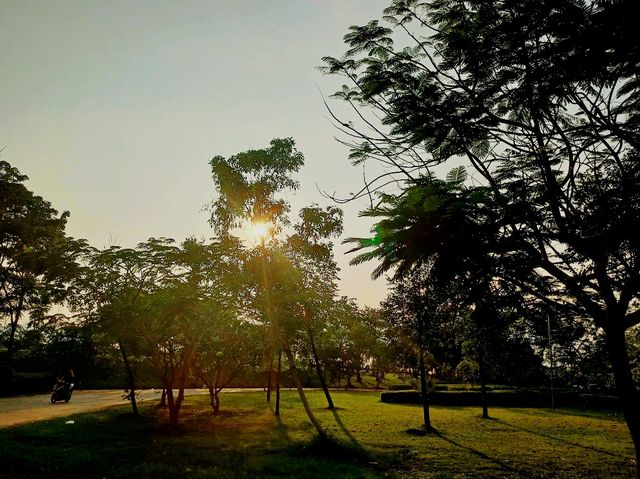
point(37, 259)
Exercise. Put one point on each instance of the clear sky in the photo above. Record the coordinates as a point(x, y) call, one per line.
point(113, 108)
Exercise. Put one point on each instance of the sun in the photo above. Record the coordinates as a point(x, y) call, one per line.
point(260, 230)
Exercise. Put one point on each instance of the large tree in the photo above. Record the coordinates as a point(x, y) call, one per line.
point(37, 259)
point(541, 99)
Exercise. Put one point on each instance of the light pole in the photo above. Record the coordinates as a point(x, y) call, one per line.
point(553, 404)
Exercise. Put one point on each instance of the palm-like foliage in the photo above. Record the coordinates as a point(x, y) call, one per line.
point(441, 222)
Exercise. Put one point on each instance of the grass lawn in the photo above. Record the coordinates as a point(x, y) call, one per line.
point(246, 440)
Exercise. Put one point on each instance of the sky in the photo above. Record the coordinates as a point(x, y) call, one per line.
point(113, 108)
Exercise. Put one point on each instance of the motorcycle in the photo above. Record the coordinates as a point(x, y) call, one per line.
point(62, 392)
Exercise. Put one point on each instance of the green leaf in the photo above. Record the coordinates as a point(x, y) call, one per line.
point(457, 176)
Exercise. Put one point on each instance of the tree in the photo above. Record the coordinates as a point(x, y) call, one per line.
point(548, 117)
point(424, 316)
point(223, 343)
point(247, 186)
point(37, 259)
point(223, 352)
point(452, 232)
point(109, 289)
point(312, 255)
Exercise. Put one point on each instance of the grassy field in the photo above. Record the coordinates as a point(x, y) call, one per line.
point(371, 440)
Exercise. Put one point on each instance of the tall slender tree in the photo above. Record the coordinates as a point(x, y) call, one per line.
point(249, 187)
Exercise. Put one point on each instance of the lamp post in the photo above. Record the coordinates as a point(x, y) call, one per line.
point(553, 404)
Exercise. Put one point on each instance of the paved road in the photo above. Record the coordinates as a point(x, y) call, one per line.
point(23, 409)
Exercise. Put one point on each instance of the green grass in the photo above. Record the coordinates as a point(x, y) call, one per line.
point(370, 440)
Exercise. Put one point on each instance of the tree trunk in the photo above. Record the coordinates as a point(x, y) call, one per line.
point(483, 386)
point(178, 403)
point(130, 378)
point(216, 402)
point(277, 411)
point(182, 380)
point(425, 393)
point(12, 338)
point(14, 320)
point(303, 397)
point(269, 378)
point(163, 399)
point(316, 362)
point(627, 392)
point(212, 397)
point(173, 413)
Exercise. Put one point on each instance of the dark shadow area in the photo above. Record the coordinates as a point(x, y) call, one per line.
point(559, 439)
point(334, 449)
point(344, 429)
point(282, 431)
point(94, 444)
point(478, 453)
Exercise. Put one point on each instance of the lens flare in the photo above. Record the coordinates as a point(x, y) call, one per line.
point(260, 230)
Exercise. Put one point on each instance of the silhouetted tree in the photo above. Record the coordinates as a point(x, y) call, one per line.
point(541, 99)
point(37, 259)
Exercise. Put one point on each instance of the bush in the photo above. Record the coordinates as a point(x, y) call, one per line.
point(27, 383)
point(400, 387)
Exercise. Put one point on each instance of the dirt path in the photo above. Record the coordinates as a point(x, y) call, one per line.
point(23, 409)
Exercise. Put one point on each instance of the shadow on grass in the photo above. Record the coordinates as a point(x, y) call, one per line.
point(476, 452)
point(281, 430)
point(559, 439)
point(243, 443)
point(346, 432)
point(94, 444)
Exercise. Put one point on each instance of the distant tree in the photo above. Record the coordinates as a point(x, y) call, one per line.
point(540, 98)
point(424, 316)
point(165, 326)
point(37, 259)
point(452, 231)
point(248, 185)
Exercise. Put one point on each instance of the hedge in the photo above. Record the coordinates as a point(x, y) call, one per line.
point(504, 399)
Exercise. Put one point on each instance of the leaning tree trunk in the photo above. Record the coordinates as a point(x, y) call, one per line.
point(277, 411)
point(182, 380)
point(303, 397)
point(483, 386)
point(316, 362)
point(130, 378)
point(625, 387)
point(425, 392)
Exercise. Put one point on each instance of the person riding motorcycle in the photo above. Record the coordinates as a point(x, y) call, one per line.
point(63, 387)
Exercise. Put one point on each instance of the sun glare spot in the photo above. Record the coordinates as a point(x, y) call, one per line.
point(260, 230)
